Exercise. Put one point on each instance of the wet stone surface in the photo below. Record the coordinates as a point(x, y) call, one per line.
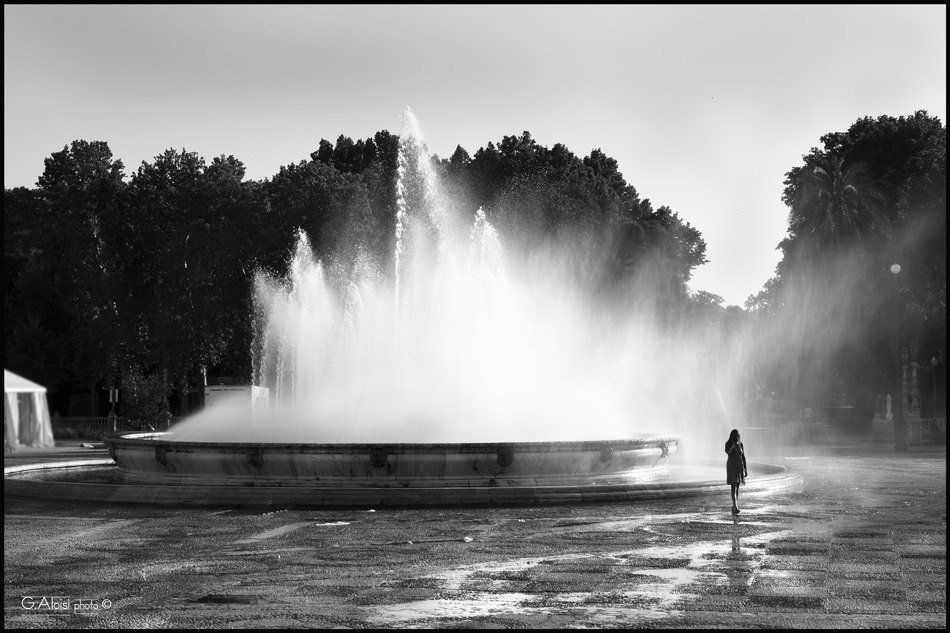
point(863, 545)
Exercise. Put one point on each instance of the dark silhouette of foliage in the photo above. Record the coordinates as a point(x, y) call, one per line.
point(146, 281)
point(870, 197)
point(835, 205)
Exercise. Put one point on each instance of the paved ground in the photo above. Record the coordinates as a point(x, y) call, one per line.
point(863, 545)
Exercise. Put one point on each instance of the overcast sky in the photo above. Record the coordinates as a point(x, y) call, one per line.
point(704, 107)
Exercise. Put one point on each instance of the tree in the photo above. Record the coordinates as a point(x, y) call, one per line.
point(907, 158)
point(84, 194)
point(194, 239)
point(306, 196)
point(35, 326)
point(871, 196)
point(834, 204)
point(838, 220)
point(459, 161)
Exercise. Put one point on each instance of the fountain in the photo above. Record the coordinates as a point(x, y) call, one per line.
point(456, 378)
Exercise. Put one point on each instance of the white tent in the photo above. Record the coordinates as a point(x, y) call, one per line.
point(25, 414)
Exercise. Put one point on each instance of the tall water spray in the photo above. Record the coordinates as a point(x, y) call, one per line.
point(458, 342)
point(413, 168)
point(449, 346)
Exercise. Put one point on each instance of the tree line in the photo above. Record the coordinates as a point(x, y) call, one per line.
point(143, 282)
point(834, 316)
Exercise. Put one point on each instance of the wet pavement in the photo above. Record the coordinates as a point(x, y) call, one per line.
point(862, 545)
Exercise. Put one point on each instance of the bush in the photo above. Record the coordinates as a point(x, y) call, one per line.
point(146, 401)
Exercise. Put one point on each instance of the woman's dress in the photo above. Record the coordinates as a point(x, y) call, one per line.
point(735, 464)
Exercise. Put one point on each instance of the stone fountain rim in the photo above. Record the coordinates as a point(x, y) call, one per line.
point(775, 478)
point(154, 438)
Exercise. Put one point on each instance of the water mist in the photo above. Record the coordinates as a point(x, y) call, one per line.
point(461, 342)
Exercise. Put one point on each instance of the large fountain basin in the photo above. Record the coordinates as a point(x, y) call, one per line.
point(155, 458)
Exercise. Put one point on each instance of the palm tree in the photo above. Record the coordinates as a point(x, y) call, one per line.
point(837, 204)
point(825, 283)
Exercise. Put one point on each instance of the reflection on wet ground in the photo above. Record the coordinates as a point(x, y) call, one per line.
point(649, 582)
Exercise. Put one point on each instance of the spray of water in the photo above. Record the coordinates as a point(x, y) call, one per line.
point(462, 342)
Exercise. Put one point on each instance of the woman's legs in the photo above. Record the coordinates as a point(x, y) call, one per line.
point(734, 489)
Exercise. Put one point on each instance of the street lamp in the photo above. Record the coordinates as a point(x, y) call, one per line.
point(900, 439)
point(933, 364)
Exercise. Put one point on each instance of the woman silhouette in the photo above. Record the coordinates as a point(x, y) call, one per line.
point(736, 469)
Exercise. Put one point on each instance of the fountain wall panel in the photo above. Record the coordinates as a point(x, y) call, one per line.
point(152, 457)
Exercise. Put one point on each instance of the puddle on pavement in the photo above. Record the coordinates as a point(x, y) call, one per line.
point(507, 604)
point(487, 604)
point(267, 552)
point(711, 562)
point(269, 534)
point(285, 529)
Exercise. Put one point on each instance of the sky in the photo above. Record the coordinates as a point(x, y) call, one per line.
point(705, 108)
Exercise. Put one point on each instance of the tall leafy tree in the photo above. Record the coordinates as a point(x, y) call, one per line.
point(835, 204)
point(869, 197)
point(84, 194)
point(187, 263)
point(35, 324)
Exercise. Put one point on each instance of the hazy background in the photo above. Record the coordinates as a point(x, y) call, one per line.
point(704, 108)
